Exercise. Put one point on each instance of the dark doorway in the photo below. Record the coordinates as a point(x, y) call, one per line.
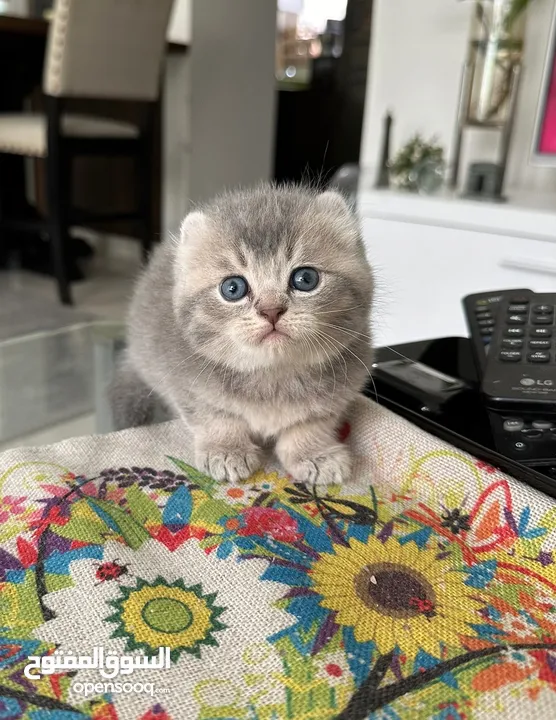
point(320, 123)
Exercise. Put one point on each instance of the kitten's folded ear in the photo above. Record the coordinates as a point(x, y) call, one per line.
point(193, 225)
point(333, 201)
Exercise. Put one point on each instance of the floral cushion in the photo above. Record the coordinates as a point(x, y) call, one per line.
point(424, 589)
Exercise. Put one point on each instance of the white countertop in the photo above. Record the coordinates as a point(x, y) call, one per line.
point(524, 215)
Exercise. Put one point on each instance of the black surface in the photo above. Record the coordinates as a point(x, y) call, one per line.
point(463, 420)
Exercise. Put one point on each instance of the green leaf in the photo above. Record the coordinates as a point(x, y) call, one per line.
point(141, 507)
point(132, 532)
point(83, 525)
point(196, 476)
point(516, 9)
point(211, 512)
point(83, 530)
point(57, 582)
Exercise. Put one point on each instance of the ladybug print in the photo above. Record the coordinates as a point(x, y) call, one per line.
point(110, 571)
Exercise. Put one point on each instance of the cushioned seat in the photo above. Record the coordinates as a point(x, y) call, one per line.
point(106, 50)
point(25, 134)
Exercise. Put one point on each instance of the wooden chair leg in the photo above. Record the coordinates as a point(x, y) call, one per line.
point(58, 184)
point(145, 171)
point(144, 198)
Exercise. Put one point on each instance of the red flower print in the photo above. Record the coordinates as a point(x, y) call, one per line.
point(156, 713)
point(10, 505)
point(268, 521)
point(485, 466)
point(547, 665)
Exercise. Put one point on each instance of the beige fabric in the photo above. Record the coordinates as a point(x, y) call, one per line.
point(424, 589)
point(106, 48)
point(25, 134)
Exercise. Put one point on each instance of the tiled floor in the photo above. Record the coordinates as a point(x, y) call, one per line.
point(47, 383)
point(107, 289)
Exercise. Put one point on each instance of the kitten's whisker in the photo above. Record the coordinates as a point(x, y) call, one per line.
point(206, 365)
point(354, 333)
point(357, 358)
point(411, 360)
point(216, 364)
point(327, 355)
point(334, 301)
point(312, 340)
point(327, 339)
point(338, 310)
point(371, 378)
point(304, 340)
point(170, 372)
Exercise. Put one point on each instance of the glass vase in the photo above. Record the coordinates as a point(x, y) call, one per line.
point(496, 48)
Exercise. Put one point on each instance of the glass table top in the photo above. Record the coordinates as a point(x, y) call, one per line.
point(53, 384)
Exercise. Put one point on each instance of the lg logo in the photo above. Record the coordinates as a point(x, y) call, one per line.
point(529, 382)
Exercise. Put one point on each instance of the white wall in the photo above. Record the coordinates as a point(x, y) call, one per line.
point(176, 122)
point(232, 94)
point(176, 142)
point(179, 28)
point(417, 52)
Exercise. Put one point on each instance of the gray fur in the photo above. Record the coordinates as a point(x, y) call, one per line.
point(205, 357)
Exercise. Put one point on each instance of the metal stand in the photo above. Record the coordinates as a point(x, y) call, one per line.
point(463, 122)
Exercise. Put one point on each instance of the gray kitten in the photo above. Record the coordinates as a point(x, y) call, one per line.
point(253, 327)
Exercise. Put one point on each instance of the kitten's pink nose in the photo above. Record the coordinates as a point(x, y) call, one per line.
point(272, 314)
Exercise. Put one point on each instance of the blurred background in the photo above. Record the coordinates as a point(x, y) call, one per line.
point(436, 117)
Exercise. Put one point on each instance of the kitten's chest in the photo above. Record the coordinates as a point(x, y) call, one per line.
point(271, 405)
point(272, 418)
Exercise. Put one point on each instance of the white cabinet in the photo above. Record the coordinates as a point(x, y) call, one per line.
point(424, 270)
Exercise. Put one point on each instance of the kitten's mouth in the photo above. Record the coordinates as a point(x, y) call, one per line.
point(273, 335)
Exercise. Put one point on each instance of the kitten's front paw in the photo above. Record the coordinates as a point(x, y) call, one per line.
point(331, 467)
point(226, 466)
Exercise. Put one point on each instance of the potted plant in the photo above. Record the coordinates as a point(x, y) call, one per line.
point(495, 50)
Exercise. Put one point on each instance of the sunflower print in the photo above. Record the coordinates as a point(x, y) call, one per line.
point(432, 597)
point(158, 614)
point(400, 596)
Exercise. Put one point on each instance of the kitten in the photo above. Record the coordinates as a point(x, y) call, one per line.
point(253, 328)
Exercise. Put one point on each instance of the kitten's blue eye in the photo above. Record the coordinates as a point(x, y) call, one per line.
point(234, 288)
point(304, 279)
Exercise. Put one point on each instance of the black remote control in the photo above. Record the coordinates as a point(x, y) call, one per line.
point(519, 384)
point(481, 313)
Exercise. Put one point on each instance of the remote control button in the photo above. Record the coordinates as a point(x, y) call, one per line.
point(520, 299)
point(510, 356)
point(553, 431)
point(484, 316)
point(520, 446)
point(539, 357)
point(543, 309)
point(517, 308)
point(515, 332)
point(538, 344)
point(513, 425)
point(542, 320)
point(486, 323)
point(531, 434)
point(516, 319)
point(541, 332)
point(516, 342)
point(487, 332)
point(542, 424)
